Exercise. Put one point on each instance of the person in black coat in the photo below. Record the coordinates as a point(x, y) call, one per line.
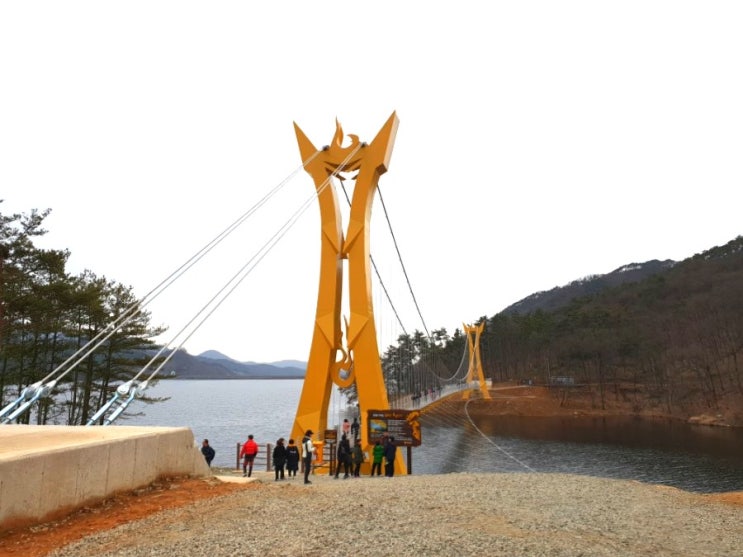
point(279, 459)
point(344, 458)
point(390, 451)
point(207, 451)
point(292, 459)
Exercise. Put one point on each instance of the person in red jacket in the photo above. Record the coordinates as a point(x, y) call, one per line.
point(248, 452)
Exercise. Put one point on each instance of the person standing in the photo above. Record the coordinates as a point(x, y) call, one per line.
point(279, 459)
point(377, 457)
point(357, 456)
point(344, 458)
point(248, 452)
point(208, 452)
point(390, 451)
point(308, 449)
point(292, 459)
point(355, 427)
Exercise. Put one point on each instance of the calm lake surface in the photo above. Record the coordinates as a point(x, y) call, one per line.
point(694, 458)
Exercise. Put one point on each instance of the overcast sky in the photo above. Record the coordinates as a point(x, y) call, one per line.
point(539, 142)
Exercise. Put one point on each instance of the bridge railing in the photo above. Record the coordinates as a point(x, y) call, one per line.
point(423, 399)
point(262, 459)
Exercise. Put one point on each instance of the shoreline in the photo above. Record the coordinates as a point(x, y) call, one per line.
point(542, 401)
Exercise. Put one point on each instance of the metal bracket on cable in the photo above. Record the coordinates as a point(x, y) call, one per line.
point(30, 394)
point(121, 391)
point(137, 391)
point(16, 402)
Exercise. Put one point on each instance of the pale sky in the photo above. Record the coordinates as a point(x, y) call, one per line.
point(539, 142)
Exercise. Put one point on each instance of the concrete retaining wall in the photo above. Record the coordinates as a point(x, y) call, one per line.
point(49, 471)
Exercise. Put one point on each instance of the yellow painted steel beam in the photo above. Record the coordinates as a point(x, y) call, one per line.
point(330, 360)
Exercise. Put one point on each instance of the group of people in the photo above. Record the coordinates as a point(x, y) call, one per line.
point(385, 451)
point(351, 458)
point(286, 457)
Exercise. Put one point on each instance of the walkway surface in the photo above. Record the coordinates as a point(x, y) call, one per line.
point(47, 469)
point(22, 440)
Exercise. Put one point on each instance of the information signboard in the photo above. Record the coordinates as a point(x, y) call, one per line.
point(401, 424)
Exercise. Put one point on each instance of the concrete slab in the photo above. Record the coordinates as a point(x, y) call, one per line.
point(236, 479)
point(46, 471)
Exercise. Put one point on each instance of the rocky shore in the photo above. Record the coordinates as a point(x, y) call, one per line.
point(454, 514)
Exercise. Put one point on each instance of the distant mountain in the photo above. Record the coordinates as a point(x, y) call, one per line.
point(213, 354)
point(290, 363)
point(561, 296)
point(215, 365)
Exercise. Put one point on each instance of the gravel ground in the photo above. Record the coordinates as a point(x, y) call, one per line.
point(454, 514)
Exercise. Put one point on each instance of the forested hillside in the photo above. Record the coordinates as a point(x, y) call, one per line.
point(674, 339)
point(561, 296)
point(58, 348)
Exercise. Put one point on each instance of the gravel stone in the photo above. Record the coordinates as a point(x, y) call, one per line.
point(555, 515)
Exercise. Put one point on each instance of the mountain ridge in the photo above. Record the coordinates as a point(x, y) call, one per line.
point(216, 355)
point(212, 364)
point(560, 296)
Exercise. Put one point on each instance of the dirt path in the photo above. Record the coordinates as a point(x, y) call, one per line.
point(168, 493)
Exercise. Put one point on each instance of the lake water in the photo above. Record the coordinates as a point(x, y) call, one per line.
point(694, 458)
point(223, 411)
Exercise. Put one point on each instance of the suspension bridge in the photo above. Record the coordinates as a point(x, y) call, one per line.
point(344, 350)
point(336, 351)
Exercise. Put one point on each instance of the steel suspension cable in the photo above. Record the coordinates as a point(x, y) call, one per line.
point(43, 387)
point(415, 301)
point(195, 258)
point(399, 257)
point(439, 415)
point(509, 455)
point(376, 271)
point(237, 279)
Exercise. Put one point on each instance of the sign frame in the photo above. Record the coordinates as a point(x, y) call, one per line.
point(403, 425)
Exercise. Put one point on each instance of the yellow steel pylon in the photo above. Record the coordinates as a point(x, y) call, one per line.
point(329, 360)
point(474, 372)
